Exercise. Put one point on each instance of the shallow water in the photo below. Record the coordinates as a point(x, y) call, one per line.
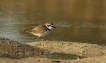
point(64, 56)
point(73, 20)
point(59, 56)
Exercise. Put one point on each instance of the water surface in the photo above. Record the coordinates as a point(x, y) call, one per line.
point(81, 21)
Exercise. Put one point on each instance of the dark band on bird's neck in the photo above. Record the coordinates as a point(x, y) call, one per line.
point(48, 29)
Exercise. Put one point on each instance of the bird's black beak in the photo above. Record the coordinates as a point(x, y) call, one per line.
point(53, 26)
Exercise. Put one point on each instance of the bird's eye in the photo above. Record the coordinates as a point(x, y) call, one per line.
point(51, 23)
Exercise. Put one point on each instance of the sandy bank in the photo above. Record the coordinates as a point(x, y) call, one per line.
point(85, 49)
point(94, 53)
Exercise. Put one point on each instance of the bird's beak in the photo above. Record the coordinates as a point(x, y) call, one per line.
point(54, 27)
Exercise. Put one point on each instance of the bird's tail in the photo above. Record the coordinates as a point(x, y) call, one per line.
point(28, 31)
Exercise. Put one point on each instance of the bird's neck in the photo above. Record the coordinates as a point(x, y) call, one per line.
point(50, 28)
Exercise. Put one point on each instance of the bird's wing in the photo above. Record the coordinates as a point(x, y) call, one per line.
point(39, 29)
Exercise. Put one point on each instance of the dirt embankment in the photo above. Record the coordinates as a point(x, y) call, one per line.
point(16, 52)
point(83, 49)
point(13, 49)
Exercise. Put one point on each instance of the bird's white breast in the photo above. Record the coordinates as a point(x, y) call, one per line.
point(42, 34)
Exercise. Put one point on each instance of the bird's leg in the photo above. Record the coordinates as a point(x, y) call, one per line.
point(42, 40)
point(38, 37)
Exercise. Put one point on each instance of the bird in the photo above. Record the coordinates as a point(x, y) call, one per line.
point(42, 30)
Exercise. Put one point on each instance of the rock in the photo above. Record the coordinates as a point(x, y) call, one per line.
point(14, 49)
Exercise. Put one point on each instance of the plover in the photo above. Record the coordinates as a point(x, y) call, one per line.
point(42, 30)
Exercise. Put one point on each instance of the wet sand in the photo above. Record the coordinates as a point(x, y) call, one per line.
point(94, 53)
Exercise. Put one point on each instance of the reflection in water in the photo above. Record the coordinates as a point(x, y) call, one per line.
point(82, 21)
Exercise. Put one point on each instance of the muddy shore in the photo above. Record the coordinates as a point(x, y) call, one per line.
point(94, 53)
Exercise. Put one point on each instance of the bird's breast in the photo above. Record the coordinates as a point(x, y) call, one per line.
point(42, 34)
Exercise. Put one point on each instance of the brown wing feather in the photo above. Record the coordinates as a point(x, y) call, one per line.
point(39, 29)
